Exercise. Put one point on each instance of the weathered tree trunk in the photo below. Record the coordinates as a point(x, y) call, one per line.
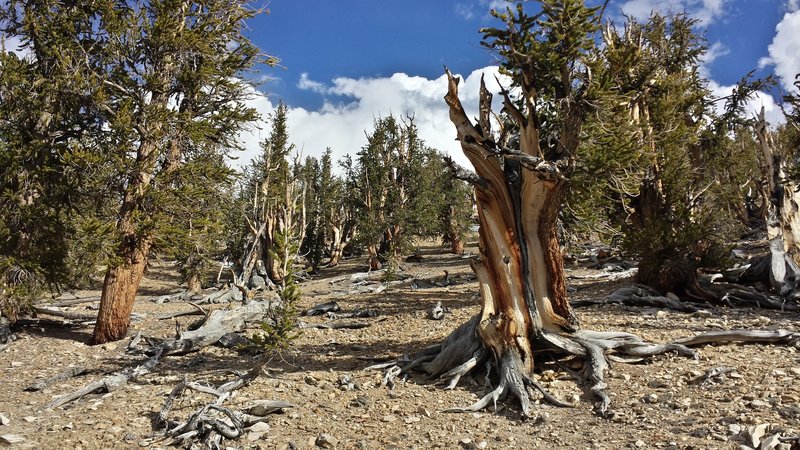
point(119, 292)
point(783, 217)
point(373, 262)
point(456, 244)
point(124, 275)
point(520, 268)
point(193, 283)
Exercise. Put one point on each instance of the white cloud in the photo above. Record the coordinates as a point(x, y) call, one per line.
point(308, 84)
point(468, 10)
point(341, 126)
point(772, 112)
point(706, 11)
point(793, 5)
point(716, 50)
point(784, 51)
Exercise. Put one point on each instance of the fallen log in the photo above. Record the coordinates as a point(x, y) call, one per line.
point(216, 325)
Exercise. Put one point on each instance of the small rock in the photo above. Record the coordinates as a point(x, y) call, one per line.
point(29, 419)
point(755, 433)
point(795, 370)
point(661, 314)
point(424, 411)
point(11, 439)
point(4, 420)
point(734, 428)
point(650, 398)
point(412, 419)
point(263, 407)
point(259, 427)
point(770, 442)
point(482, 444)
point(311, 381)
point(778, 373)
point(759, 404)
point(326, 441)
point(640, 443)
point(762, 321)
point(388, 418)
point(15, 364)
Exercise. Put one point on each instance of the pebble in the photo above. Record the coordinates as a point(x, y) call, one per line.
point(759, 404)
point(412, 419)
point(11, 439)
point(424, 411)
point(771, 442)
point(326, 441)
point(650, 398)
point(29, 419)
point(4, 420)
point(388, 418)
point(640, 443)
point(795, 370)
point(734, 428)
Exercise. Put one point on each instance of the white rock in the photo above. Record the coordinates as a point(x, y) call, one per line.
point(770, 442)
point(259, 427)
point(326, 441)
point(755, 433)
point(4, 420)
point(11, 439)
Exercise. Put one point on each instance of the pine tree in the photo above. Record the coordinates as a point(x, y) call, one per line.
point(154, 86)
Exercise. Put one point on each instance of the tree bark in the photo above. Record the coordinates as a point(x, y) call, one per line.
point(193, 283)
point(783, 217)
point(119, 292)
point(520, 269)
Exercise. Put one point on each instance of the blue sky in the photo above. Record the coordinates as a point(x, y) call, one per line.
point(345, 62)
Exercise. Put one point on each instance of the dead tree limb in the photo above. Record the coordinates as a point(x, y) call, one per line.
point(217, 324)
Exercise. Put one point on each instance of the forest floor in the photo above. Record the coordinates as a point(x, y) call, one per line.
point(659, 403)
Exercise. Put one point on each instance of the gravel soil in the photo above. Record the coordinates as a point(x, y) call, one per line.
point(660, 403)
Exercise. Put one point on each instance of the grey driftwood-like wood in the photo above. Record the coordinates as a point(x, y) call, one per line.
point(212, 423)
point(638, 295)
point(217, 324)
point(42, 384)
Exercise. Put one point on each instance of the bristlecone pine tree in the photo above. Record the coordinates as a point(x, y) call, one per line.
point(158, 83)
point(521, 174)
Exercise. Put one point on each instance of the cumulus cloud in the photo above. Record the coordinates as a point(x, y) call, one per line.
point(784, 51)
point(306, 83)
point(772, 111)
point(706, 11)
point(468, 10)
point(341, 125)
point(715, 51)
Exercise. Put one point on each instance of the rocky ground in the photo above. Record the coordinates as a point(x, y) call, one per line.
point(668, 402)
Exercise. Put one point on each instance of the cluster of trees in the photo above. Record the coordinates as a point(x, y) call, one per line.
point(116, 128)
point(115, 134)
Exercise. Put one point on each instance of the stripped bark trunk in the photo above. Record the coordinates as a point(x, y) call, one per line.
point(783, 216)
point(520, 270)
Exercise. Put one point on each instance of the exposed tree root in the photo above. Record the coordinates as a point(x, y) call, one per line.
point(212, 423)
point(462, 353)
